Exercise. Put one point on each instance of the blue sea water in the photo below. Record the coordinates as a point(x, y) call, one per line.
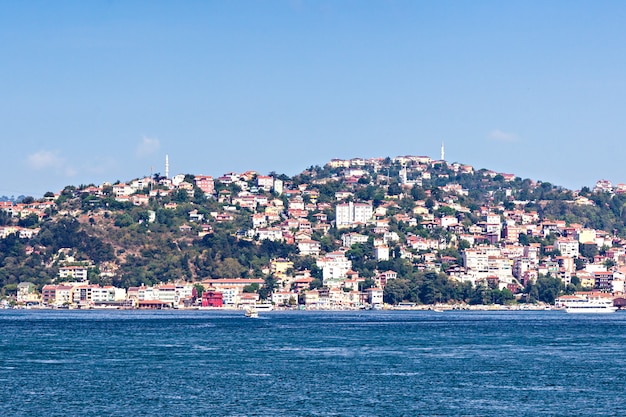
point(204, 363)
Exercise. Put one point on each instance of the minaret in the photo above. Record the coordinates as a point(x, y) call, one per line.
point(443, 153)
point(403, 177)
point(167, 167)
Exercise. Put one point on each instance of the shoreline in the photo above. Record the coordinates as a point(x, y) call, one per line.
point(439, 308)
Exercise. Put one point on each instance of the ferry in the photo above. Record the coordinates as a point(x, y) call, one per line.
point(264, 306)
point(588, 303)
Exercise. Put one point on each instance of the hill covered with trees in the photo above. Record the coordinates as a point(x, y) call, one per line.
point(428, 218)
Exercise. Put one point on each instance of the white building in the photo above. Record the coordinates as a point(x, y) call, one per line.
point(77, 273)
point(349, 239)
point(351, 214)
point(568, 247)
point(488, 261)
point(381, 253)
point(309, 247)
point(26, 291)
point(107, 293)
point(335, 267)
point(265, 182)
point(269, 233)
point(374, 296)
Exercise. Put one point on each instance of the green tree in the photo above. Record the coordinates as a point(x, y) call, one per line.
point(250, 288)
point(548, 288)
point(180, 196)
point(481, 295)
point(229, 268)
point(588, 250)
point(31, 220)
point(418, 193)
point(395, 291)
point(316, 283)
point(367, 283)
point(270, 285)
point(523, 239)
point(609, 263)
point(123, 220)
point(394, 188)
point(199, 289)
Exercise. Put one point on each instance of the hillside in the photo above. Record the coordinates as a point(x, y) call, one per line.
point(424, 230)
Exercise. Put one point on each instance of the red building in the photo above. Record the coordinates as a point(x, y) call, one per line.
point(205, 183)
point(212, 298)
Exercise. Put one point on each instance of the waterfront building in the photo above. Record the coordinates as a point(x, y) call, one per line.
point(335, 267)
point(212, 298)
point(27, 292)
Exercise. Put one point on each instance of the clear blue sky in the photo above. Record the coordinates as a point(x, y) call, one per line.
point(94, 91)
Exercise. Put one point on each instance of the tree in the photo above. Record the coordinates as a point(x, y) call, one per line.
point(229, 268)
point(480, 295)
point(588, 250)
point(270, 285)
point(418, 193)
point(395, 291)
point(250, 288)
point(5, 218)
point(446, 211)
point(316, 283)
point(394, 188)
point(29, 221)
point(180, 196)
point(9, 289)
point(580, 263)
point(548, 288)
point(503, 296)
point(523, 239)
point(199, 289)
point(609, 263)
point(123, 220)
point(367, 283)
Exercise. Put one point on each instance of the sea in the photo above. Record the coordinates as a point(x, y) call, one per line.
point(304, 363)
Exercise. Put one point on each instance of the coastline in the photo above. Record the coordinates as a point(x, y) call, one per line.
point(406, 307)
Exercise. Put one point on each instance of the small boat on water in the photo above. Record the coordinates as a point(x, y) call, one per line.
point(252, 313)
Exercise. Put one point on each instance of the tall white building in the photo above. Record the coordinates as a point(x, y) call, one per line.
point(334, 268)
point(567, 246)
point(487, 261)
point(350, 214)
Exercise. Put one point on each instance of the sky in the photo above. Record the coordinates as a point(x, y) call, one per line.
point(102, 90)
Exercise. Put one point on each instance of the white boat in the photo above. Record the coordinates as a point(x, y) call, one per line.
point(264, 307)
point(588, 304)
point(252, 313)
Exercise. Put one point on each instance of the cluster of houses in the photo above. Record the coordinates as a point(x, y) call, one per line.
point(510, 263)
point(38, 209)
point(214, 293)
point(492, 250)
